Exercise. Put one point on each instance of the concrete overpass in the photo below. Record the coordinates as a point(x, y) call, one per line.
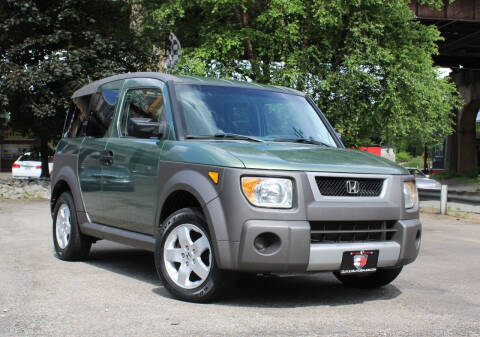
point(459, 25)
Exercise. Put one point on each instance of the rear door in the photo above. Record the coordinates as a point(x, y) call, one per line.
point(92, 156)
point(131, 185)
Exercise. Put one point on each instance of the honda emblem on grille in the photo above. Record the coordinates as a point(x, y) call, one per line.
point(353, 187)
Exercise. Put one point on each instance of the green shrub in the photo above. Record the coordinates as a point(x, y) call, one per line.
point(415, 162)
point(446, 174)
point(403, 156)
point(471, 176)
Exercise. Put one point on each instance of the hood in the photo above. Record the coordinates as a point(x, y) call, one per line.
point(279, 156)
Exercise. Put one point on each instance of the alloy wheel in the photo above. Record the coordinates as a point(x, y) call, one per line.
point(63, 226)
point(187, 256)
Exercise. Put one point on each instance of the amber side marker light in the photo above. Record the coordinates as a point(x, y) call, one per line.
point(214, 176)
point(248, 185)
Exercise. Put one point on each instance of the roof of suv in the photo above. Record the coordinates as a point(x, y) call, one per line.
point(92, 87)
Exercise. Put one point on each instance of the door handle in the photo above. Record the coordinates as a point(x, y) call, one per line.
point(106, 158)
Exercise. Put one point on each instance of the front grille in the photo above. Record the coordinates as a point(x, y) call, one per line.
point(338, 186)
point(351, 231)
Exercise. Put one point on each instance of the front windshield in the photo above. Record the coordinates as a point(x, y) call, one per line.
point(267, 115)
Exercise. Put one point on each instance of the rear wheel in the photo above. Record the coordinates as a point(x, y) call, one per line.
point(374, 280)
point(69, 242)
point(184, 257)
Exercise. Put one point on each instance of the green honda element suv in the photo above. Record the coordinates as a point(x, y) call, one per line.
point(217, 176)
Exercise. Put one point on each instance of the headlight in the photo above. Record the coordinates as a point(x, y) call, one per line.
point(268, 192)
point(409, 194)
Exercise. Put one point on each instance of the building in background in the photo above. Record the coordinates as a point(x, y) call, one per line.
point(382, 151)
point(12, 144)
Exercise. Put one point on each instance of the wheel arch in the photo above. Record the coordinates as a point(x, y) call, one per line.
point(197, 190)
point(60, 187)
point(177, 200)
point(65, 179)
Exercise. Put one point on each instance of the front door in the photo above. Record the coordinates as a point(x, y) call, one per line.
point(130, 190)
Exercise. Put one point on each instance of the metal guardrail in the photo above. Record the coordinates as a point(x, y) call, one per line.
point(473, 198)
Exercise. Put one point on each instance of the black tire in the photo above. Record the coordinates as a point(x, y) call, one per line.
point(213, 285)
point(78, 246)
point(378, 279)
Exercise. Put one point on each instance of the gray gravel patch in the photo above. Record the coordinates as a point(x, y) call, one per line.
point(24, 188)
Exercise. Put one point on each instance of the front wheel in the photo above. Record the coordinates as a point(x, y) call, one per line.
point(184, 257)
point(378, 279)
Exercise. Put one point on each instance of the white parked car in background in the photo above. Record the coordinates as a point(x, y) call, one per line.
point(29, 165)
point(423, 181)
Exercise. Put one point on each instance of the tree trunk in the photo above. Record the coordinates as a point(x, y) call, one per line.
point(252, 56)
point(44, 157)
point(425, 157)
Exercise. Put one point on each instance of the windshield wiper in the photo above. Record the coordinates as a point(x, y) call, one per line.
point(225, 136)
point(301, 140)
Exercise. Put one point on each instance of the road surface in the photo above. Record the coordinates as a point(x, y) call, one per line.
point(117, 293)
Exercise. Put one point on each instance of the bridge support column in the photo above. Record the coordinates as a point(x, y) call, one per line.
point(461, 146)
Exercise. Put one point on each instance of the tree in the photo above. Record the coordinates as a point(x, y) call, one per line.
point(367, 63)
point(50, 48)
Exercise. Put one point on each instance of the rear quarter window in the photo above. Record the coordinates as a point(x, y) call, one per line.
point(91, 115)
point(76, 117)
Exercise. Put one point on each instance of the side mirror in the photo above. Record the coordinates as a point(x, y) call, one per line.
point(339, 135)
point(145, 128)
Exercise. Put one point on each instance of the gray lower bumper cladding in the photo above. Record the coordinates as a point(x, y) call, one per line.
point(285, 246)
point(328, 257)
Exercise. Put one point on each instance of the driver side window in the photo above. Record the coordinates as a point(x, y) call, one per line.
point(142, 107)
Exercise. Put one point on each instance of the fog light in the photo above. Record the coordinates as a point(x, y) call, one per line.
point(267, 243)
point(259, 243)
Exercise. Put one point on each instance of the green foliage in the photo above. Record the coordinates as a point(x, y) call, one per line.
point(403, 156)
point(367, 63)
point(472, 179)
point(412, 144)
point(414, 162)
point(467, 177)
point(48, 49)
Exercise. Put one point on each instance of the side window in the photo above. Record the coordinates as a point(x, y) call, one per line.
point(102, 108)
point(143, 113)
point(76, 117)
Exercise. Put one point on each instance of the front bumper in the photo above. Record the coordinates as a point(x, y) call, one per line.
point(235, 224)
point(295, 253)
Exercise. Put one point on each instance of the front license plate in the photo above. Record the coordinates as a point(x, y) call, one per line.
point(360, 261)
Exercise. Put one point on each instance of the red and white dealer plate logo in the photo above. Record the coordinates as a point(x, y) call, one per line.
point(359, 261)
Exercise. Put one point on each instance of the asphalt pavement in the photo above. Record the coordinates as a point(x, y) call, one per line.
point(117, 293)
